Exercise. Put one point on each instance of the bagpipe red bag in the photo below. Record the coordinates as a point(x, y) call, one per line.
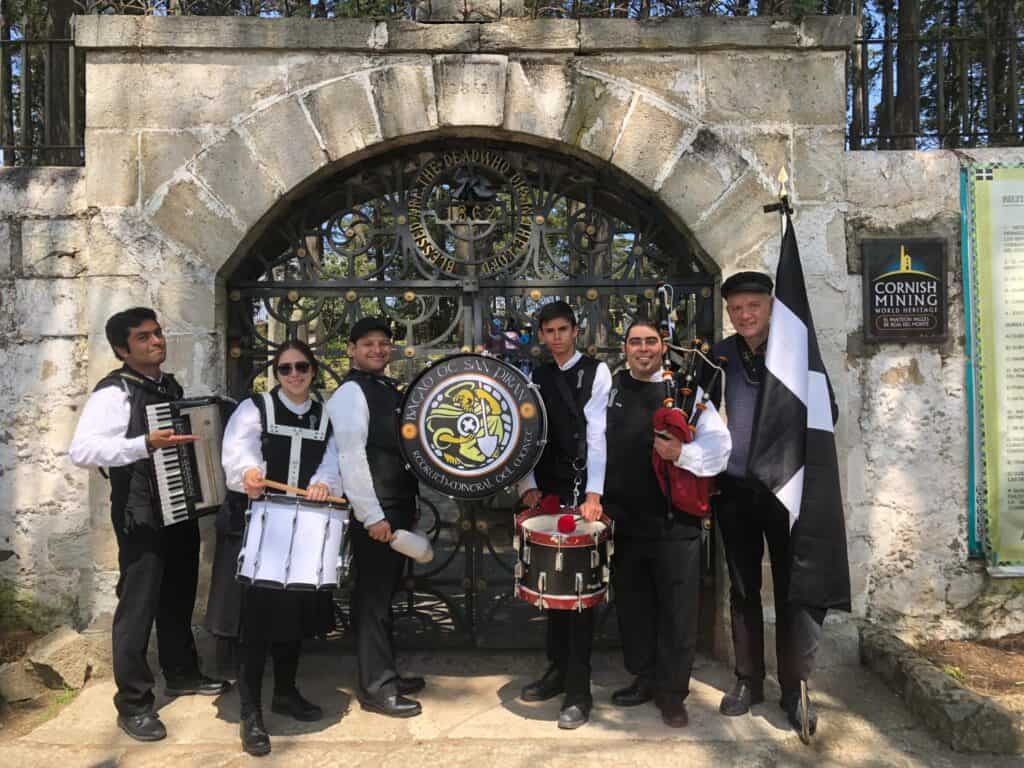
point(689, 493)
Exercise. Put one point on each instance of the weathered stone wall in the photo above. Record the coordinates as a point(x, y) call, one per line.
point(908, 447)
point(198, 129)
point(65, 265)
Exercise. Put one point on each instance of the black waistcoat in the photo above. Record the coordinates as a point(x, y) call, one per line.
point(631, 492)
point(394, 484)
point(133, 486)
point(277, 448)
point(554, 472)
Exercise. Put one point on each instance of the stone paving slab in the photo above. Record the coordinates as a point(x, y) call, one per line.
point(472, 717)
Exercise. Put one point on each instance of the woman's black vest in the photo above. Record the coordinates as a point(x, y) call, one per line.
point(394, 484)
point(312, 427)
point(132, 486)
point(567, 428)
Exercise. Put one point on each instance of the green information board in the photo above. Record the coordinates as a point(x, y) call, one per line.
point(994, 272)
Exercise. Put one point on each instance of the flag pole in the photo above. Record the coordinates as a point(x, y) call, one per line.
point(785, 210)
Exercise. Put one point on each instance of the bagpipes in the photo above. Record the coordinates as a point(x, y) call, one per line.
point(690, 378)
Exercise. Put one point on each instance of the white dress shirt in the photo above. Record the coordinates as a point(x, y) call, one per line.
point(350, 418)
point(596, 413)
point(708, 453)
point(242, 448)
point(99, 439)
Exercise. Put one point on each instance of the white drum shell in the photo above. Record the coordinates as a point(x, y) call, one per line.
point(293, 544)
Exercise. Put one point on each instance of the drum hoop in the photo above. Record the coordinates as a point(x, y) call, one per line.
point(298, 501)
point(562, 602)
point(565, 541)
point(542, 413)
point(532, 512)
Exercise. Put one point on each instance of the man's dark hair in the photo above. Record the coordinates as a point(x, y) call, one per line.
point(119, 326)
point(556, 310)
point(642, 322)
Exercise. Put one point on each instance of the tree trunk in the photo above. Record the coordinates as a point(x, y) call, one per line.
point(57, 115)
point(908, 99)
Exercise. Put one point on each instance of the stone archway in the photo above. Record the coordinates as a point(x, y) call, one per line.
point(217, 199)
point(458, 241)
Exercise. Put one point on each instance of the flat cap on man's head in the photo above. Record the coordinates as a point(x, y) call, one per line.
point(747, 282)
point(365, 325)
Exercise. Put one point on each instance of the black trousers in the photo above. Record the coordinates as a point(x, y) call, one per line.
point(570, 640)
point(159, 573)
point(657, 597)
point(747, 518)
point(378, 572)
point(252, 656)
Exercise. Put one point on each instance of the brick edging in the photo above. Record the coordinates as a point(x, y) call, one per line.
point(963, 719)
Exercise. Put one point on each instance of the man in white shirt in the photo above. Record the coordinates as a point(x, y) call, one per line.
point(575, 390)
point(657, 546)
point(382, 493)
point(158, 565)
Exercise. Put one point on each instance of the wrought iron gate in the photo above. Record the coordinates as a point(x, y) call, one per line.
point(458, 243)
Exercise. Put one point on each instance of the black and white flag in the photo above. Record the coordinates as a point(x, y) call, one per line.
point(793, 448)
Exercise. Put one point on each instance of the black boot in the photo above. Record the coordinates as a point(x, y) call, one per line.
point(572, 716)
point(741, 698)
point(144, 727)
point(550, 685)
point(633, 695)
point(255, 739)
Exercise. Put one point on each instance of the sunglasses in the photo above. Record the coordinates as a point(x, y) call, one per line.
point(285, 369)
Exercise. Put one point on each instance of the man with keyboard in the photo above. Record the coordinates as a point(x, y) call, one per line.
point(158, 565)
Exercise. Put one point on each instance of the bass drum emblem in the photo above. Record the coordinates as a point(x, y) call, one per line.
point(471, 425)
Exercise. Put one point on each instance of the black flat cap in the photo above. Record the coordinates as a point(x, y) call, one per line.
point(749, 282)
point(367, 324)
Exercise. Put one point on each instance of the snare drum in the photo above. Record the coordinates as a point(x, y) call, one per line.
point(561, 571)
point(292, 543)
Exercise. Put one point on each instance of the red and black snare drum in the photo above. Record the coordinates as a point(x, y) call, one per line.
point(562, 570)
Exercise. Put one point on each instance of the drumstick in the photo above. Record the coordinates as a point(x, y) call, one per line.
point(299, 491)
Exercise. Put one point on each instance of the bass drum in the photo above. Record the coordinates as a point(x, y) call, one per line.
point(471, 425)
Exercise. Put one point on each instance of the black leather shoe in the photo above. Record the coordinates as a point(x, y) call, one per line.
point(791, 704)
point(573, 716)
point(673, 710)
point(410, 685)
point(255, 739)
point(634, 695)
point(550, 685)
point(144, 727)
point(294, 705)
point(392, 706)
point(195, 684)
point(741, 698)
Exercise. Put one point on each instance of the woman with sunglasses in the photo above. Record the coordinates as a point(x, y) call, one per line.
point(260, 443)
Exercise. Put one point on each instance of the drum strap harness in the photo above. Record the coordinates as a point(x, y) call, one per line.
point(579, 462)
point(297, 434)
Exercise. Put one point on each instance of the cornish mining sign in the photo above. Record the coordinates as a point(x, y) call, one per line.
point(904, 289)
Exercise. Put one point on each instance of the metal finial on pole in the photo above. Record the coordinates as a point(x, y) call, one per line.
point(783, 207)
